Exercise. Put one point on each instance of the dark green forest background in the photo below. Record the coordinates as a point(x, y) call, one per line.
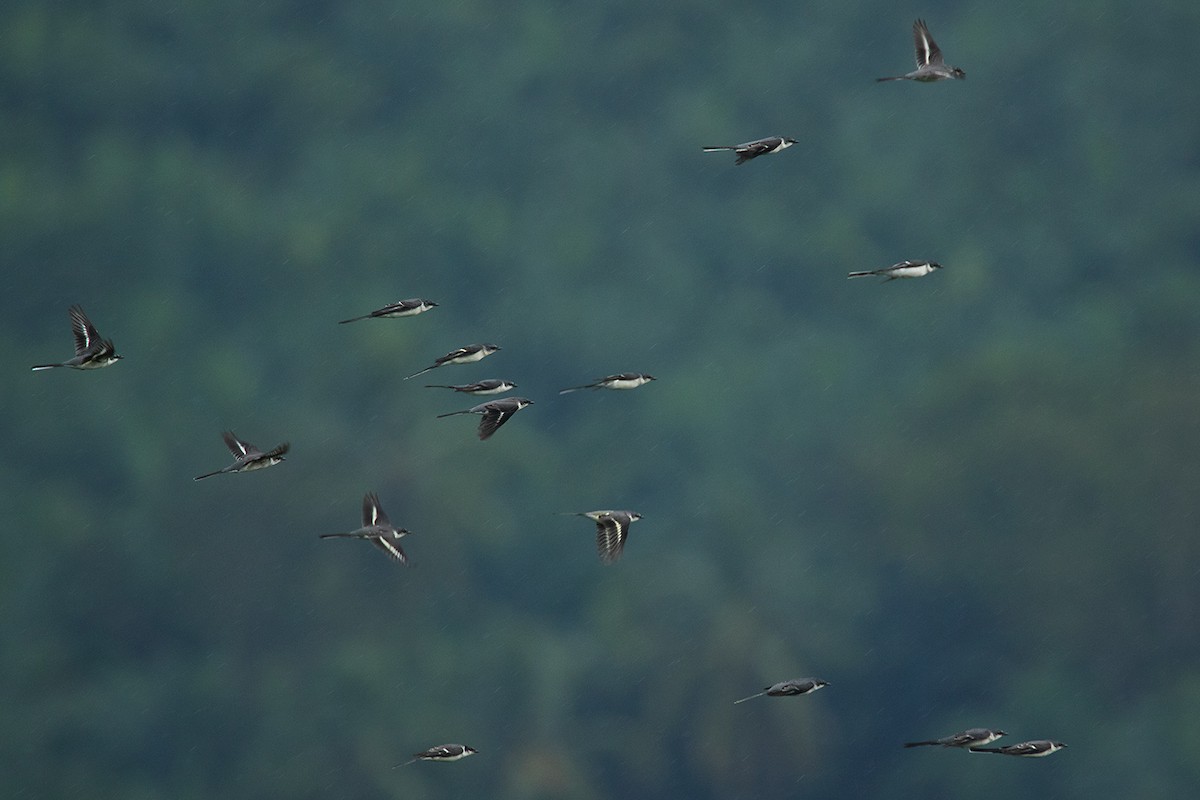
point(967, 500)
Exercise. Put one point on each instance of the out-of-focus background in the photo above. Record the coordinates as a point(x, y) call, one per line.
point(967, 500)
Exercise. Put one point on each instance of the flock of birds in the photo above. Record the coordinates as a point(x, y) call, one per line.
point(612, 526)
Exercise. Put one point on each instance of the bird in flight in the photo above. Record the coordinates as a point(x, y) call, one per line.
point(971, 737)
point(612, 528)
point(905, 269)
point(91, 352)
point(489, 386)
point(625, 380)
point(1034, 749)
point(402, 308)
point(463, 355)
point(759, 147)
point(494, 413)
point(442, 752)
point(377, 528)
point(790, 688)
point(930, 66)
point(247, 457)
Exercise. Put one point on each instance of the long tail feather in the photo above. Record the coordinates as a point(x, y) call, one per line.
point(751, 697)
point(422, 372)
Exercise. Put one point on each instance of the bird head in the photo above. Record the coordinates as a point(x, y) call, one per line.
point(958, 73)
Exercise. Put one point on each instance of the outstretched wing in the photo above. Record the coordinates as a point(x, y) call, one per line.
point(927, 49)
point(391, 547)
point(493, 418)
point(236, 446)
point(611, 531)
point(373, 514)
point(82, 329)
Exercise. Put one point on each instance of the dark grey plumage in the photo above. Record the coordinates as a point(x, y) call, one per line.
point(401, 308)
point(489, 386)
point(971, 737)
point(623, 380)
point(441, 752)
point(612, 529)
point(377, 528)
point(930, 65)
point(91, 351)
point(1037, 748)
point(247, 457)
point(792, 688)
point(493, 413)
point(759, 147)
point(463, 355)
point(904, 269)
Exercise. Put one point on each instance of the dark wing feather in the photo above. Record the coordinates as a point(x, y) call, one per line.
point(462, 351)
point(236, 446)
point(281, 450)
point(927, 49)
point(82, 329)
point(611, 530)
point(371, 509)
point(391, 547)
point(492, 419)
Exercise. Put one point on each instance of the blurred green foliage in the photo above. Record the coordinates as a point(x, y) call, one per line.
point(967, 500)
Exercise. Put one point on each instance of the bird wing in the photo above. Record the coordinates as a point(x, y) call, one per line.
point(82, 329)
point(236, 446)
point(611, 531)
point(441, 751)
point(391, 547)
point(372, 511)
point(281, 450)
point(927, 49)
point(757, 147)
point(493, 417)
point(453, 354)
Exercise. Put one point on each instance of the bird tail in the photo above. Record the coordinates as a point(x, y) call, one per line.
point(865, 274)
point(751, 697)
point(45, 366)
point(207, 475)
point(354, 319)
point(340, 536)
point(406, 763)
point(437, 386)
point(920, 744)
point(452, 414)
point(885, 80)
point(570, 389)
point(715, 148)
point(422, 372)
point(985, 749)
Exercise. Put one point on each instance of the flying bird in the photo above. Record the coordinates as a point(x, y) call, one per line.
point(247, 457)
point(1034, 749)
point(402, 308)
point(612, 528)
point(905, 269)
point(930, 66)
point(463, 355)
point(759, 147)
point(489, 386)
point(790, 688)
point(971, 737)
point(91, 352)
point(442, 752)
point(625, 380)
point(495, 413)
point(377, 528)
